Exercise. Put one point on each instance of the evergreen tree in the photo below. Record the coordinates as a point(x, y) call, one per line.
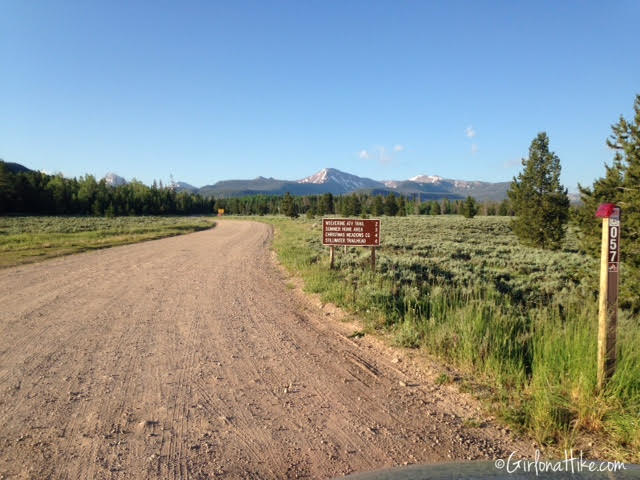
point(6, 187)
point(435, 208)
point(390, 206)
point(289, 207)
point(378, 206)
point(365, 204)
point(354, 206)
point(607, 189)
point(540, 202)
point(110, 211)
point(504, 208)
point(402, 207)
point(446, 206)
point(620, 185)
point(470, 208)
point(325, 205)
point(417, 206)
point(343, 207)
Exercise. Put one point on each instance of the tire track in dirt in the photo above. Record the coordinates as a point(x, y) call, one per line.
point(188, 357)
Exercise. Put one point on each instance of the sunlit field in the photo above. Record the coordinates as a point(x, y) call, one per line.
point(518, 322)
point(31, 239)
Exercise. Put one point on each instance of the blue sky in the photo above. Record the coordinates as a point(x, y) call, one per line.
point(216, 90)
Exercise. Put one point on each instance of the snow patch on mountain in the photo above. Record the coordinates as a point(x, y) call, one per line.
point(426, 179)
point(344, 180)
point(183, 187)
point(114, 180)
point(317, 178)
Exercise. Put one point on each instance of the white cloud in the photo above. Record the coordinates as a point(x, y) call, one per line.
point(470, 132)
point(363, 154)
point(398, 148)
point(474, 148)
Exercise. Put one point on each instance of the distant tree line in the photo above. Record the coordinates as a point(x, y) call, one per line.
point(357, 204)
point(32, 192)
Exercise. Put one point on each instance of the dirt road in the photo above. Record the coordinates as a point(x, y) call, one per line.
point(189, 357)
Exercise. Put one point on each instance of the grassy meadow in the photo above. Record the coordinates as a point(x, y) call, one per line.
point(31, 239)
point(520, 324)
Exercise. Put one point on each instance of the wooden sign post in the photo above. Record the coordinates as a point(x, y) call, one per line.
point(608, 301)
point(373, 258)
point(351, 232)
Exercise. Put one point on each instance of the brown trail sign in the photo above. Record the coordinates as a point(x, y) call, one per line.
point(351, 232)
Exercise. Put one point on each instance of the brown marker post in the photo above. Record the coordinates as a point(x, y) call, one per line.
point(373, 258)
point(332, 254)
point(608, 300)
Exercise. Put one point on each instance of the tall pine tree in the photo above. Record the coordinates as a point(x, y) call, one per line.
point(539, 200)
point(469, 208)
point(620, 185)
point(325, 205)
point(378, 205)
point(390, 206)
point(402, 207)
point(289, 207)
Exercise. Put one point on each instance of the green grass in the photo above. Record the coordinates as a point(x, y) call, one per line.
point(32, 239)
point(521, 322)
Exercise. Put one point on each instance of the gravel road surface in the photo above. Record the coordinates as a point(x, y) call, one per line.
point(189, 357)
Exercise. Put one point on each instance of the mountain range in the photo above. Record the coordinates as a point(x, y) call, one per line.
point(331, 180)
